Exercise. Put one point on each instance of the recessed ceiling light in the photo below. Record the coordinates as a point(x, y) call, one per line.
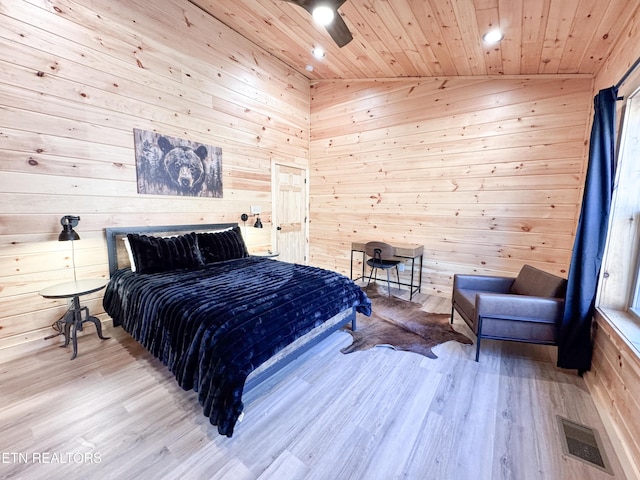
point(323, 14)
point(309, 68)
point(318, 52)
point(493, 36)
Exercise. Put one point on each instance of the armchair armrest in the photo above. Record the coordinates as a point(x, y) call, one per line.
point(483, 283)
point(538, 309)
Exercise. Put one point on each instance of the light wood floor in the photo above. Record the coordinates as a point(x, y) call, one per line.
point(116, 412)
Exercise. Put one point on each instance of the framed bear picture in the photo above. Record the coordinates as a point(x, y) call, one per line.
point(173, 166)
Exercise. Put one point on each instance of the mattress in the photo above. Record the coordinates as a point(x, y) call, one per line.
point(213, 326)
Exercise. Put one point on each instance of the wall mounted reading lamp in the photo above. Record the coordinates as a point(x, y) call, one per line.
point(68, 222)
point(244, 217)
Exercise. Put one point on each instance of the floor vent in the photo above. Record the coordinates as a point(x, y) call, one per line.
point(583, 443)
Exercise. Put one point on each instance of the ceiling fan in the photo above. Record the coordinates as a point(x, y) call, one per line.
point(336, 26)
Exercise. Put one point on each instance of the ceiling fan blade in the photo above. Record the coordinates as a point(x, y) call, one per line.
point(339, 31)
point(309, 5)
point(306, 4)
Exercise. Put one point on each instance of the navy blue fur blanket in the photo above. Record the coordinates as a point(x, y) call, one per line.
point(213, 326)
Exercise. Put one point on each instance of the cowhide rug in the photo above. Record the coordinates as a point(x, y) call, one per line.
point(402, 325)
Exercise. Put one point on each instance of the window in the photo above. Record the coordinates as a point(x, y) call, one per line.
point(620, 275)
point(629, 163)
point(634, 307)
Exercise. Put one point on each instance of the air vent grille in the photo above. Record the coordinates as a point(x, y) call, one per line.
point(583, 443)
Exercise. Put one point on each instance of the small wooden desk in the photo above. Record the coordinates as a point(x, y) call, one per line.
point(402, 252)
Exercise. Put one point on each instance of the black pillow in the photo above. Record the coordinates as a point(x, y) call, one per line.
point(157, 254)
point(221, 246)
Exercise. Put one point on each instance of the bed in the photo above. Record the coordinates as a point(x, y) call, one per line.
point(221, 320)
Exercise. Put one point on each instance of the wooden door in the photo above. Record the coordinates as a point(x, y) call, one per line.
point(290, 213)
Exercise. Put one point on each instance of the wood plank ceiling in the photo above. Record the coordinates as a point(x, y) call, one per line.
point(426, 38)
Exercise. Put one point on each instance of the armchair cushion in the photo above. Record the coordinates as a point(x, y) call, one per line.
point(538, 283)
point(522, 306)
point(519, 317)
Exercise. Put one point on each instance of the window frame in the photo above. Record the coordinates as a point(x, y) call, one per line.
point(619, 284)
point(633, 305)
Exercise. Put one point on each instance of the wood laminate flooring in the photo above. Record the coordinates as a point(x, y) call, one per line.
point(115, 412)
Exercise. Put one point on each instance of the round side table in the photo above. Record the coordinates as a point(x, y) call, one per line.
point(71, 322)
point(266, 254)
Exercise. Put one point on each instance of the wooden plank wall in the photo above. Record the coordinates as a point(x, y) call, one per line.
point(614, 379)
point(77, 78)
point(486, 173)
point(614, 382)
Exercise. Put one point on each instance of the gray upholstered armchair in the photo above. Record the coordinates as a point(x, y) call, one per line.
point(523, 309)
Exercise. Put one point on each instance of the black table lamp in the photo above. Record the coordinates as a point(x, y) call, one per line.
point(68, 233)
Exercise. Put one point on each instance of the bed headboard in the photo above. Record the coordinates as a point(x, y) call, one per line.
point(117, 254)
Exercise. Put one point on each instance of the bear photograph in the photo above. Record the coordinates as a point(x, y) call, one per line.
point(172, 166)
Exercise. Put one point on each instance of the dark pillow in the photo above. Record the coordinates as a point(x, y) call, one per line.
point(221, 246)
point(157, 254)
point(538, 283)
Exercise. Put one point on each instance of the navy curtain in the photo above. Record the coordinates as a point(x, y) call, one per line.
point(574, 339)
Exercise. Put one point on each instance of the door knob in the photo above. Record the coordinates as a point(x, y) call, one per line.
point(278, 228)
